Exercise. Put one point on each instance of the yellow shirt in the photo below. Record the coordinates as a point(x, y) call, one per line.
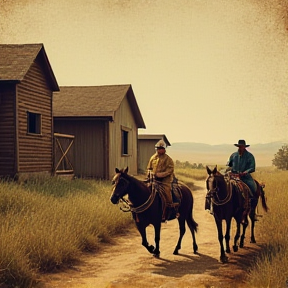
point(163, 165)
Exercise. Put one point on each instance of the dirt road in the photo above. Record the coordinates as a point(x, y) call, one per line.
point(128, 264)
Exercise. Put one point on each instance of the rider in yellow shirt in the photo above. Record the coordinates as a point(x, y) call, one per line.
point(162, 167)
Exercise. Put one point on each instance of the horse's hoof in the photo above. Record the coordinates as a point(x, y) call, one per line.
point(228, 250)
point(235, 248)
point(253, 240)
point(241, 245)
point(175, 252)
point(151, 248)
point(156, 255)
point(195, 249)
point(224, 259)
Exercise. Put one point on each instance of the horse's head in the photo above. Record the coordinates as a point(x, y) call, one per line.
point(214, 181)
point(120, 184)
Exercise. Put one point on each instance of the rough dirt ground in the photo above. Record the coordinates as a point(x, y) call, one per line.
point(127, 263)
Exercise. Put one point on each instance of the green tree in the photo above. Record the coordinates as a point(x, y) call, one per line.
point(281, 158)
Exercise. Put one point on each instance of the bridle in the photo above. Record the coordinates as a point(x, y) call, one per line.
point(128, 206)
point(213, 193)
point(115, 183)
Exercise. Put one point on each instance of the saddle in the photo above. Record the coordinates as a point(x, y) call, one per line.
point(176, 191)
point(170, 211)
point(243, 192)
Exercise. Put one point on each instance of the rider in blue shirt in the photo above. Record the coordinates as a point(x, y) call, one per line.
point(242, 162)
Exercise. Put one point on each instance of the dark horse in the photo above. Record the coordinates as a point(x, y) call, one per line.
point(146, 208)
point(228, 203)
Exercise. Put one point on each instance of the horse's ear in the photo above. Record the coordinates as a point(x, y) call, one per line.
point(126, 170)
point(214, 170)
point(208, 170)
point(117, 170)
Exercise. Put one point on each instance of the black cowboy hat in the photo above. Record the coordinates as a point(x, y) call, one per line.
point(241, 142)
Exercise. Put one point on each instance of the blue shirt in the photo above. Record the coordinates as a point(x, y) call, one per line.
point(244, 163)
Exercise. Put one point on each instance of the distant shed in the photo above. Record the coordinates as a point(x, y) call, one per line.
point(146, 148)
point(105, 122)
point(27, 83)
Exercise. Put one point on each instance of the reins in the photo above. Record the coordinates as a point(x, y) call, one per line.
point(220, 202)
point(145, 205)
point(141, 208)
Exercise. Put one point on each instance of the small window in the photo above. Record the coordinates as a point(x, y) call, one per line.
point(33, 123)
point(124, 142)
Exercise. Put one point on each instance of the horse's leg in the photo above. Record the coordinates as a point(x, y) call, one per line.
point(245, 224)
point(237, 236)
point(227, 235)
point(252, 217)
point(253, 240)
point(193, 228)
point(157, 229)
point(223, 257)
point(182, 230)
point(142, 231)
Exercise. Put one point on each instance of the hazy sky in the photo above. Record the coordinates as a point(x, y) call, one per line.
point(211, 71)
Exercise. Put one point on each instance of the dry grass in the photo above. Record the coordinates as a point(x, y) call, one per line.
point(270, 269)
point(189, 176)
point(47, 223)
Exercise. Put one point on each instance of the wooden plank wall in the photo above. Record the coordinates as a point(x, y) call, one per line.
point(123, 117)
point(90, 155)
point(7, 130)
point(35, 152)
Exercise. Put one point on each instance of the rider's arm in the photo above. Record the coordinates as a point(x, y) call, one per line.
point(250, 164)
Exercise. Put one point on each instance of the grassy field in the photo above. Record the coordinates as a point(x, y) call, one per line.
point(47, 223)
point(271, 267)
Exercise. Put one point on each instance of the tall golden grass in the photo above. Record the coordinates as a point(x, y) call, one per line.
point(271, 267)
point(47, 223)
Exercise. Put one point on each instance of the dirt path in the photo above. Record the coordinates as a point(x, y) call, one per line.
point(128, 264)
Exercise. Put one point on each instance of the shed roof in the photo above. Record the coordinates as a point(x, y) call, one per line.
point(16, 60)
point(155, 137)
point(94, 101)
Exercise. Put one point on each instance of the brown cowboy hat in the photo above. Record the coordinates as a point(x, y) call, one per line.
point(241, 142)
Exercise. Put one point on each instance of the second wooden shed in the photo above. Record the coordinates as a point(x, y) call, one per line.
point(105, 122)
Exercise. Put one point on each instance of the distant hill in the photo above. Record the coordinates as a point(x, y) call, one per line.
point(218, 154)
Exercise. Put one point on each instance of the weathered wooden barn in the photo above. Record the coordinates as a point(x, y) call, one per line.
point(146, 148)
point(105, 122)
point(27, 83)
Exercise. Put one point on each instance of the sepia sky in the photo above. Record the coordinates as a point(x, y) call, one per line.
point(210, 71)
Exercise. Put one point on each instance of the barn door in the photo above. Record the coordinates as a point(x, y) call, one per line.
point(63, 153)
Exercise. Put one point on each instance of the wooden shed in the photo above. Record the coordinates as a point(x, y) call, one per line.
point(146, 148)
point(27, 83)
point(105, 122)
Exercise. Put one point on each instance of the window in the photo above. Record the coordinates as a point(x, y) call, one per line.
point(33, 123)
point(124, 142)
point(126, 147)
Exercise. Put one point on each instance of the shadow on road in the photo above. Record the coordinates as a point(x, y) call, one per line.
point(184, 264)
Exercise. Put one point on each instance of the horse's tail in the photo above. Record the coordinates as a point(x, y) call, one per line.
point(261, 193)
point(194, 225)
point(186, 198)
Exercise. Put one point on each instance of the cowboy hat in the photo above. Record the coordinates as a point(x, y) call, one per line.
point(160, 144)
point(241, 142)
